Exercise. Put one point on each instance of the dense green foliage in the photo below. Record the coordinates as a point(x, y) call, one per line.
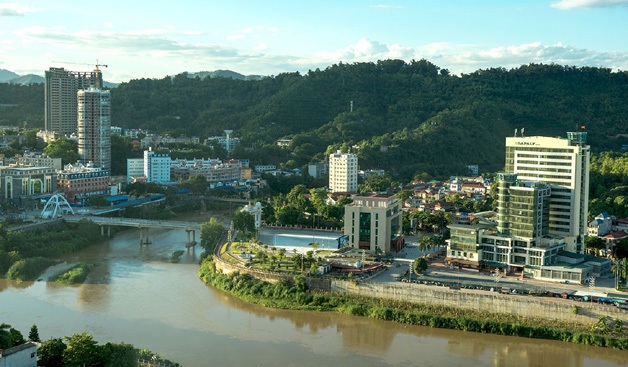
point(80, 350)
point(9, 337)
point(609, 184)
point(408, 118)
point(65, 149)
point(75, 274)
point(284, 294)
point(65, 239)
point(211, 232)
point(30, 104)
point(28, 269)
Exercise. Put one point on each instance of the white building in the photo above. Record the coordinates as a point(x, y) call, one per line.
point(40, 160)
point(94, 127)
point(601, 225)
point(564, 165)
point(134, 169)
point(156, 166)
point(227, 143)
point(317, 170)
point(256, 212)
point(343, 172)
point(23, 355)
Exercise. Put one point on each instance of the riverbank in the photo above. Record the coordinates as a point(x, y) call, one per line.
point(296, 296)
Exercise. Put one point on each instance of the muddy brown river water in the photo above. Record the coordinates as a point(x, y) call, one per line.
point(136, 295)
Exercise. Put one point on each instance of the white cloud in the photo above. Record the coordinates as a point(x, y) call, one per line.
point(234, 37)
point(515, 55)
point(15, 9)
point(107, 25)
point(260, 47)
point(367, 50)
point(570, 4)
point(382, 6)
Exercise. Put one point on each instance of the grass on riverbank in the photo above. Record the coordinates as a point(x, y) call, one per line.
point(76, 274)
point(286, 295)
point(28, 269)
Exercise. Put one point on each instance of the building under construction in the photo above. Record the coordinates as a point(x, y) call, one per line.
point(62, 87)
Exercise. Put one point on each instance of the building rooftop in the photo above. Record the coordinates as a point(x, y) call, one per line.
point(18, 348)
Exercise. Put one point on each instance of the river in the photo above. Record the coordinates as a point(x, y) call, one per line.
point(134, 294)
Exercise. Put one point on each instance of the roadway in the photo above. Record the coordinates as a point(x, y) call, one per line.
point(133, 222)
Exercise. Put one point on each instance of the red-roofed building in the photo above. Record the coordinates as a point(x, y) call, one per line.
point(612, 237)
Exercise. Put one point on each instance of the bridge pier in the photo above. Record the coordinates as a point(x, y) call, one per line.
point(193, 242)
point(102, 231)
point(144, 240)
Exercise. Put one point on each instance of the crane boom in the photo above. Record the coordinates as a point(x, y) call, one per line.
point(97, 64)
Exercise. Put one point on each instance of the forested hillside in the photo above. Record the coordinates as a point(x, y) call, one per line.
point(407, 118)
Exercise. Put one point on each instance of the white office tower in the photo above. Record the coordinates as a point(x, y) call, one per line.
point(156, 166)
point(564, 165)
point(343, 172)
point(94, 127)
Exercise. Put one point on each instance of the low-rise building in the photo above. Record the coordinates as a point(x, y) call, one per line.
point(79, 182)
point(318, 170)
point(39, 160)
point(265, 167)
point(601, 225)
point(135, 170)
point(212, 170)
point(25, 186)
point(374, 223)
point(23, 355)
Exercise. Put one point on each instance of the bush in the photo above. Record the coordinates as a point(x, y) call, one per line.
point(75, 274)
point(28, 269)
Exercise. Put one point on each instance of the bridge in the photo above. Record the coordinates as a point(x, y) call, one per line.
point(142, 224)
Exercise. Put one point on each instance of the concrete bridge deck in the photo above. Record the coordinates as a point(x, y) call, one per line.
point(138, 223)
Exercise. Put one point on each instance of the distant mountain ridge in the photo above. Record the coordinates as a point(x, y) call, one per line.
point(223, 74)
point(7, 76)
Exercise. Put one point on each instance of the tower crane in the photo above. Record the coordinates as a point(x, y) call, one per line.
point(97, 64)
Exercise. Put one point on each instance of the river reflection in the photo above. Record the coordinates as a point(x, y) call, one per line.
point(135, 294)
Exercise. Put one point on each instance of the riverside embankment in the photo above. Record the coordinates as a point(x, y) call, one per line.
point(484, 312)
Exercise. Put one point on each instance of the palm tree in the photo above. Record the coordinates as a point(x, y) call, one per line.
point(282, 252)
point(616, 269)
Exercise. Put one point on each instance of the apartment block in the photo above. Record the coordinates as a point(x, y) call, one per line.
point(343, 172)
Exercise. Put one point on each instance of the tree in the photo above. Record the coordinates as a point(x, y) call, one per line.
point(33, 335)
point(314, 245)
point(211, 232)
point(97, 201)
point(616, 270)
point(404, 195)
point(65, 149)
point(419, 265)
point(16, 337)
point(243, 221)
point(119, 355)
point(197, 184)
point(594, 242)
point(282, 253)
point(51, 353)
point(82, 351)
point(5, 337)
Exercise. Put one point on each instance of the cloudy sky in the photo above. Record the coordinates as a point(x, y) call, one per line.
point(139, 38)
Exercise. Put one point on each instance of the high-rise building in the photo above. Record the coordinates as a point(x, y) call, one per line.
point(156, 166)
point(564, 165)
point(94, 127)
point(343, 172)
point(61, 87)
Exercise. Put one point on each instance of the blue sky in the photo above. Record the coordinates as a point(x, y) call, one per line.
point(158, 38)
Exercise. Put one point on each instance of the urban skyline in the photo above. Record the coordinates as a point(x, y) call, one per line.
point(272, 37)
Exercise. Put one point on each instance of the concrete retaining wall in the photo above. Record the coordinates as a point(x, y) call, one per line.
point(525, 306)
point(270, 277)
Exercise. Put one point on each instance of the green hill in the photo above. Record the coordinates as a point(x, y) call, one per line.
point(407, 118)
